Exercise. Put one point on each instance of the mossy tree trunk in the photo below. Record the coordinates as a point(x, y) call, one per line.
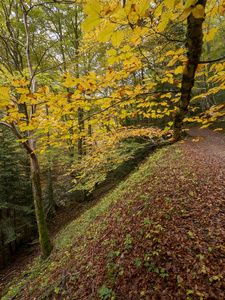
point(36, 188)
point(38, 204)
point(30, 146)
point(194, 50)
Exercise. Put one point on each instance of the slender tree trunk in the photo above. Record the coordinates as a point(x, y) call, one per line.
point(81, 128)
point(31, 147)
point(194, 50)
point(38, 203)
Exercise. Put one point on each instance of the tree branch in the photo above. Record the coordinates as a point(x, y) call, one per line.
point(6, 124)
point(126, 99)
point(18, 134)
point(54, 2)
point(211, 61)
point(12, 39)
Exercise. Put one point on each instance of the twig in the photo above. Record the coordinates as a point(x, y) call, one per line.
point(63, 279)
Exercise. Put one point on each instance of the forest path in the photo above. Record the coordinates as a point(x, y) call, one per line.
point(211, 144)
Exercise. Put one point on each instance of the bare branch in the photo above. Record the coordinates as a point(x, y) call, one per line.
point(211, 61)
point(54, 2)
point(6, 124)
point(12, 39)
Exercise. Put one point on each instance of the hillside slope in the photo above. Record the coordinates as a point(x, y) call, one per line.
point(159, 235)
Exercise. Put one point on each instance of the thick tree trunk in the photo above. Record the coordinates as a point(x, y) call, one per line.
point(194, 50)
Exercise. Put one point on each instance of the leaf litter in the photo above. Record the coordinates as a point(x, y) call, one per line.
point(159, 235)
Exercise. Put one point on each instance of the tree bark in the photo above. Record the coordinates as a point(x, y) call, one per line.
point(38, 204)
point(31, 147)
point(37, 192)
point(194, 50)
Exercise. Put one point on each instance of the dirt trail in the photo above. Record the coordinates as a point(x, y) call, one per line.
point(211, 144)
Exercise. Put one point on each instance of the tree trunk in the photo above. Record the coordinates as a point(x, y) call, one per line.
point(38, 204)
point(194, 50)
point(31, 147)
point(81, 128)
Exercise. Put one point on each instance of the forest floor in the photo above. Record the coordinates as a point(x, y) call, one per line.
point(160, 234)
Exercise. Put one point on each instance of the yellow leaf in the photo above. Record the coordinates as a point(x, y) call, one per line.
point(137, 30)
point(220, 129)
point(90, 23)
point(120, 14)
point(15, 82)
point(125, 49)
point(198, 12)
point(211, 34)
point(158, 11)
point(135, 39)
point(221, 8)
point(178, 4)
point(133, 16)
point(164, 21)
point(24, 81)
point(44, 89)
point(190, 3)
point(129, 92)
point(117, 38)
point(4, 90)
point(105, 34)
point(92, 7)
point(144, 5)
point(171, 52)
point(128, 6)
point(81, 88)
point(66, 75)
point(213, 12)
point(175, 16)
point(186, 12)
point(22, 91)
point(111, 52)
point(111, 60)
point(204, 126)
point(169, 3)
point(178, 70)
point(3, 103)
